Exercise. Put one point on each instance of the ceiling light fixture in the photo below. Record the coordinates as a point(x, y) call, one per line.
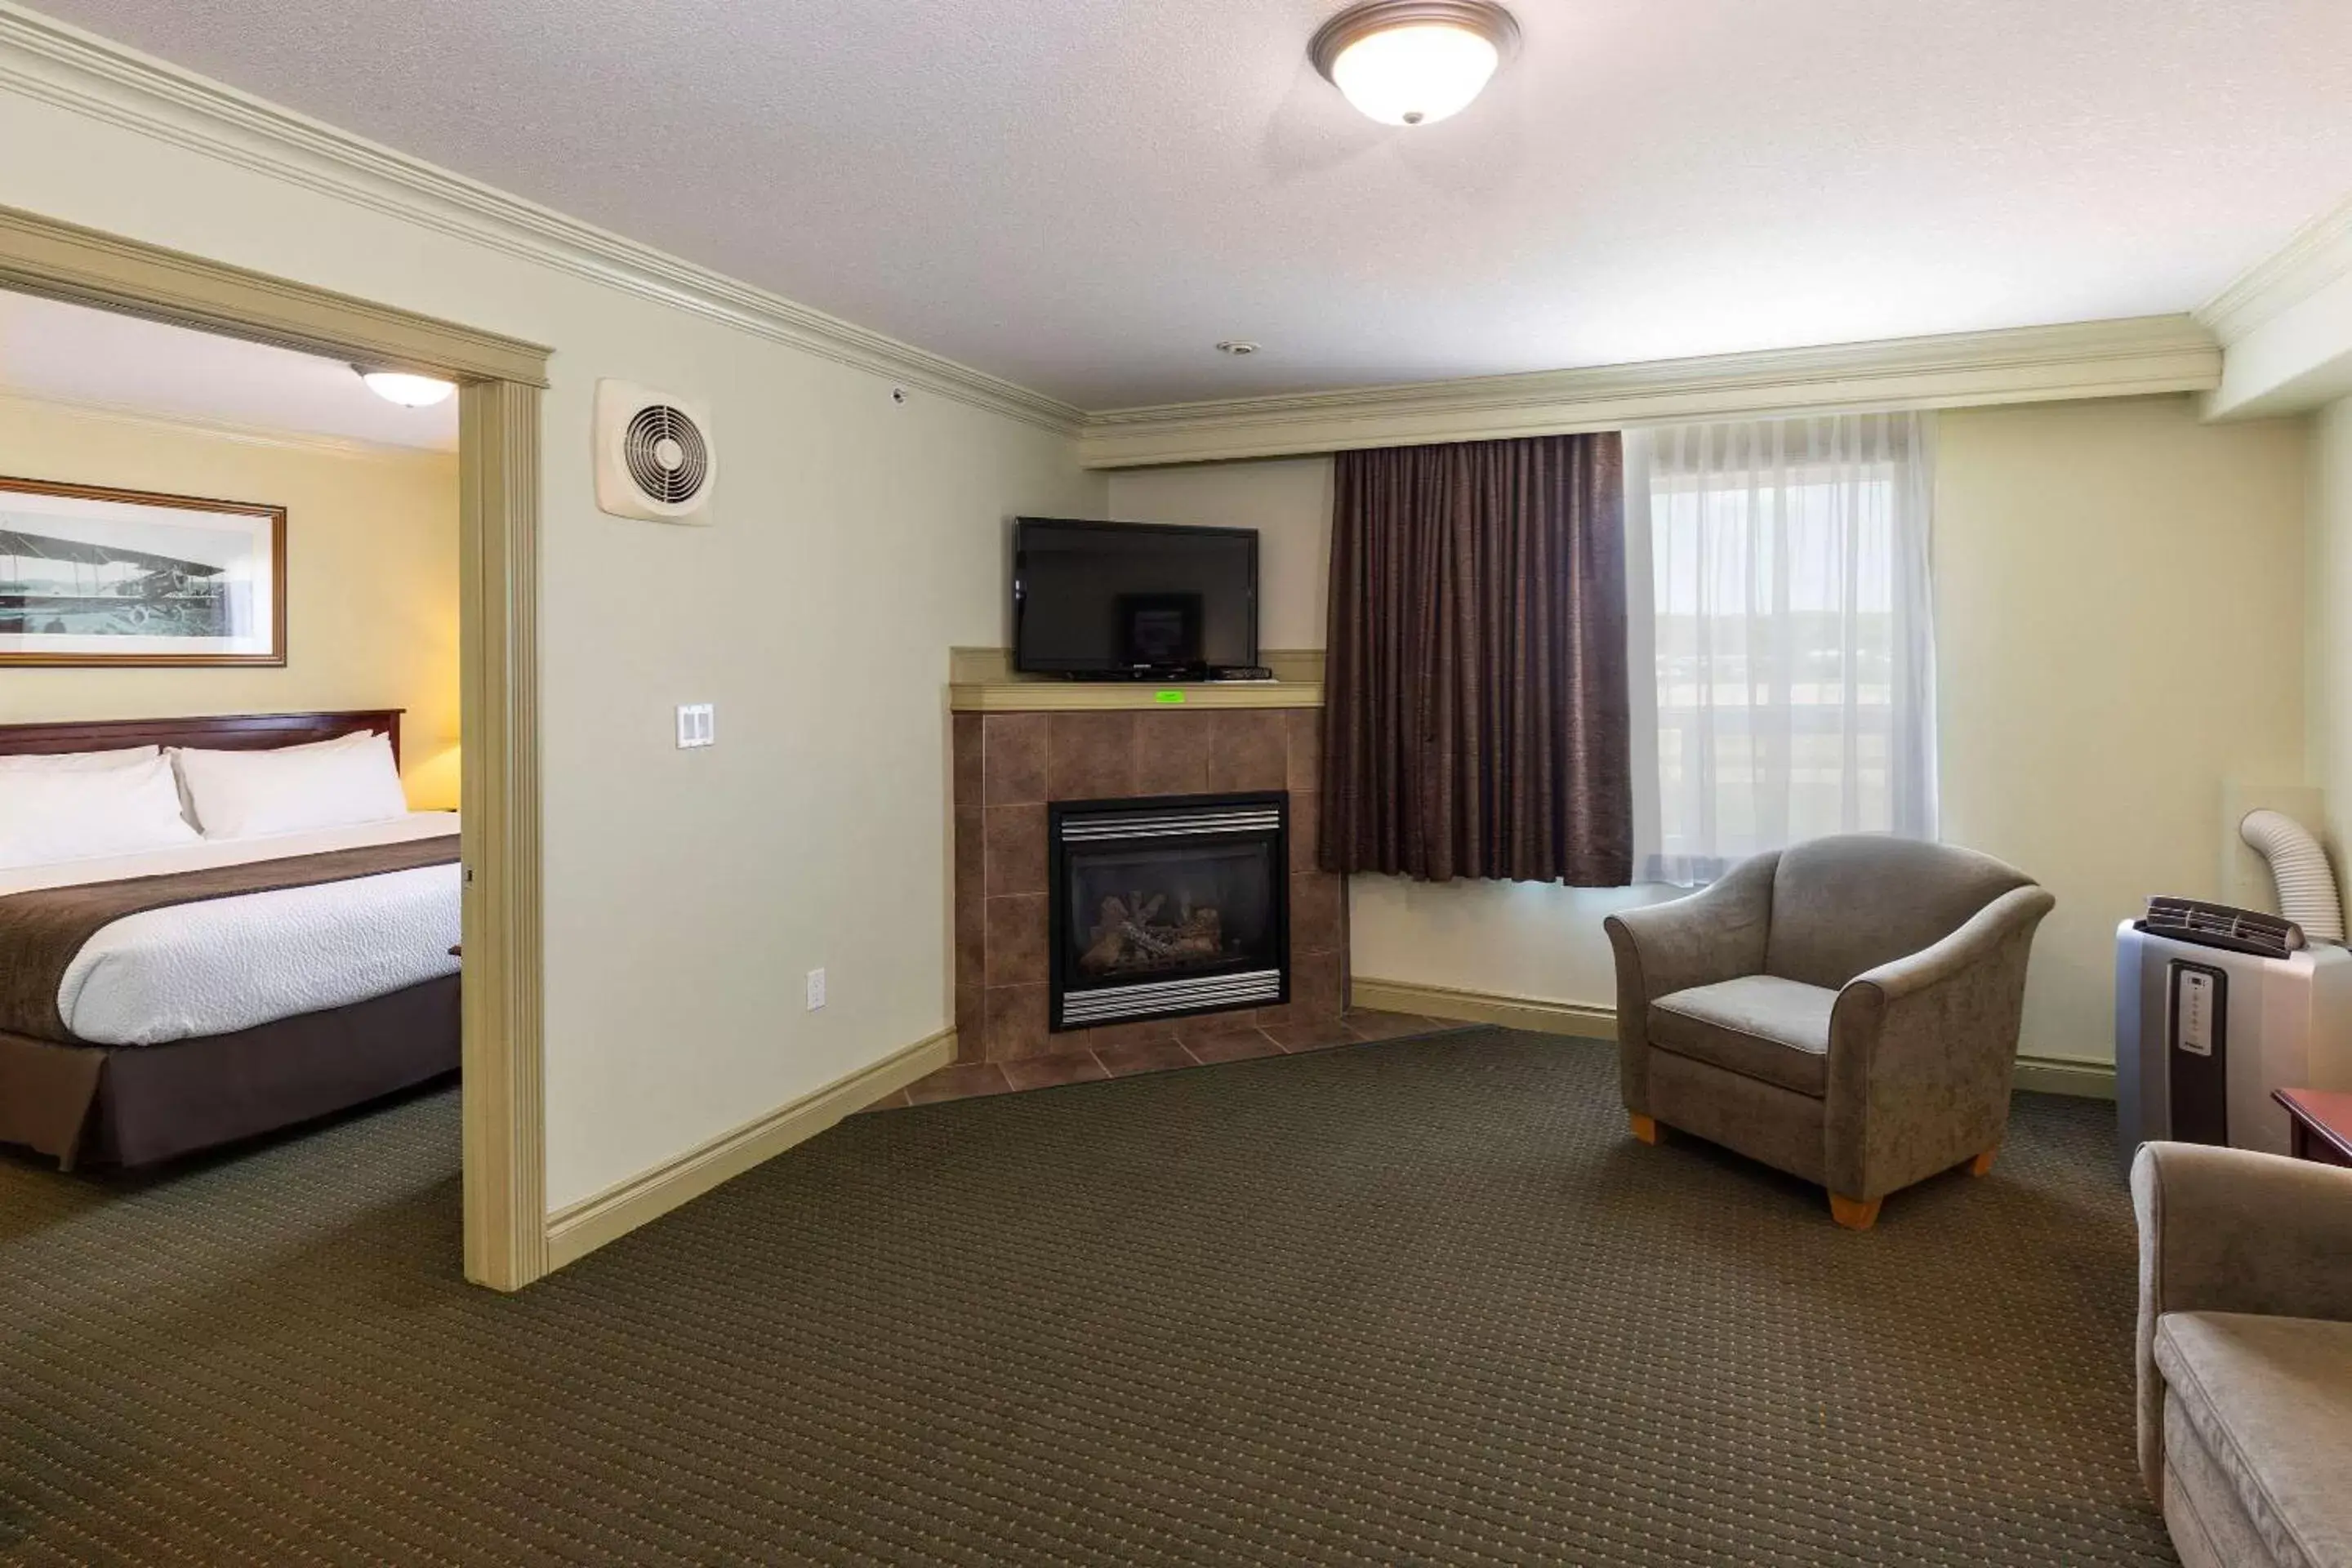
point(1414, 62)
point(408, 391)
point(1239, 348)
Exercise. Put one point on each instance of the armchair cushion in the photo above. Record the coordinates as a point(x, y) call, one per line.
point(2270, 1402)
point(1850, 903)
point(1758, 1025)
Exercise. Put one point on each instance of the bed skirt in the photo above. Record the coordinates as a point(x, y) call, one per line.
point(135, 1105)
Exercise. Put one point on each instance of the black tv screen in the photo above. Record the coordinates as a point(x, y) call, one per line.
point(1132, 598)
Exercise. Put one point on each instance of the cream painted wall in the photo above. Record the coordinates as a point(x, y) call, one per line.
point(855, 541)
point(370, 567)
point(2113, 580)
point(2087, 557)
point(1287, 500)
point(2328, 677)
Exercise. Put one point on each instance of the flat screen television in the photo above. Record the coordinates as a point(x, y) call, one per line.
point(1132, 600)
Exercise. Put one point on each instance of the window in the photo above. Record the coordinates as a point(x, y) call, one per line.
point(1781, 610)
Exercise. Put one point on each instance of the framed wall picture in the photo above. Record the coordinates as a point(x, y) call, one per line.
point(97, 576)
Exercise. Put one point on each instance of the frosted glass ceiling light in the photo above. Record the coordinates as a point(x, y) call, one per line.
point(408, 391)
point(1414, 62)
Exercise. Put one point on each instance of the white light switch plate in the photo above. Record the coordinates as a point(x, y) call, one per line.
point(698, 724)
point(816, 989)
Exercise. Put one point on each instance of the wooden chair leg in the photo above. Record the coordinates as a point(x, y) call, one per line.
point(1982, 1164)
point(1646, 1128)
point(1853, 1213)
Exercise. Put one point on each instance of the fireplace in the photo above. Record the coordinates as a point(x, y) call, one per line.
point(1163, 907)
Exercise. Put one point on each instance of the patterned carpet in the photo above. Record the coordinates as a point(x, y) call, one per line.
point(1414, 1302)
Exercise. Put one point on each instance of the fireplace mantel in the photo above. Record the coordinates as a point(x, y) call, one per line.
point(982, 681)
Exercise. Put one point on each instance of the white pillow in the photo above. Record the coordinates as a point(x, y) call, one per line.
point(57, 814)
point(338, 743)
point(78, 761)
point(293, 789)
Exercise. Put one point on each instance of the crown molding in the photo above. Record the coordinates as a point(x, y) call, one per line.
point(229, 429)
point(2130, 357)
point(2316, 255)
point(57, 63)
point(60, 64)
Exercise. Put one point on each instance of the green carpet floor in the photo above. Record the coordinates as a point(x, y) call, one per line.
point(1415, 1302)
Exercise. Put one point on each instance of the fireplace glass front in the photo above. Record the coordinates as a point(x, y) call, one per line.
point(1168, 907)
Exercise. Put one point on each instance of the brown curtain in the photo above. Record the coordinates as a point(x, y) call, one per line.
point(1476, 718)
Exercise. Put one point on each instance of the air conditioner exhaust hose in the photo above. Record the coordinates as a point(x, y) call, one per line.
point(2306, 885)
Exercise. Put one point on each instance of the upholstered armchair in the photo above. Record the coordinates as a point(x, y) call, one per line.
point(1845, 1010)
point(2246, 1353)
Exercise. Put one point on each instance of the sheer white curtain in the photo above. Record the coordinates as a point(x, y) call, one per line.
point(1781, 608)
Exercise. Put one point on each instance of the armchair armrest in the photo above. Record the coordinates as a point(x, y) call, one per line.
point(1922, 1049)
point(1978, 940)
point(1717, 933)
point(2229, 1230)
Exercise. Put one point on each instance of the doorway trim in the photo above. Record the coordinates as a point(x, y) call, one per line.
point(499, 380)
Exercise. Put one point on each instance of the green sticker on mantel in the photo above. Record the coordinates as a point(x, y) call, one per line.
point(1168, 696)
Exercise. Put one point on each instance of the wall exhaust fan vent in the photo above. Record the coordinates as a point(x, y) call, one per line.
point(655, 459)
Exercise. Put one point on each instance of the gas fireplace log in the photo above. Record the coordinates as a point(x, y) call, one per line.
point(1108, 947)
point(1143, 939)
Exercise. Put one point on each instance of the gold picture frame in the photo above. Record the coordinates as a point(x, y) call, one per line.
point(98, 577)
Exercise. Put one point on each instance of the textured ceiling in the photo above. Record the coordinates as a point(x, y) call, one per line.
point(72, 354)
point(1084, 197)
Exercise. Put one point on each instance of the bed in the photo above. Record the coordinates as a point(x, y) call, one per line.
point(175, 999)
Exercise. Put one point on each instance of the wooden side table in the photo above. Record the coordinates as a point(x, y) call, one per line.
point(2321, 1124)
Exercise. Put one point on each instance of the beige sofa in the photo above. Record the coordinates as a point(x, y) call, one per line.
point(2245, 1354)
point(1845, 1010)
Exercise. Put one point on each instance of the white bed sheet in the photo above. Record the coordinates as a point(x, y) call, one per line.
point(223, 964)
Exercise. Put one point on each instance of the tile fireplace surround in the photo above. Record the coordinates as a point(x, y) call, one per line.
point(1008, 765)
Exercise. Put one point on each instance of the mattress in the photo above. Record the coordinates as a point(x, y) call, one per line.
point(230, 964)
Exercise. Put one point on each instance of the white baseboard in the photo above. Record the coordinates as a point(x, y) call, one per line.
point(1544, 1017)
point(578, 1229)
point(2076, 1076)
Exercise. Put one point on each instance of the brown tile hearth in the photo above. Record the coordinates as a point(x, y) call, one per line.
point(1017, 1021)
point(1315, 988)
point(1171, 753)
point(1249, 750)
point(1051, 1072)
point(1306, 813)
point(1077, 1065)
point(1120, 1061)
point(964, 736)
point(1008, 765)
point(971, 953)
point(1016, 850)
point(1012, 759)
point(1016, 939)
point(1091, 756)
point(1305, 750)
point(961, 1081)
point(1200, 1026)
point(1368, 1025)
point(1315, 911)
point(1103, 1036)
point(1234, 1046)
point(1314, 1036)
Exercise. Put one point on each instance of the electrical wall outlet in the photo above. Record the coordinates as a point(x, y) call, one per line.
point(697, 725)
point(816, 989)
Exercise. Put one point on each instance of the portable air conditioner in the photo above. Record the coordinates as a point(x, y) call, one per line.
point(655, 460)
point(2205, 1031)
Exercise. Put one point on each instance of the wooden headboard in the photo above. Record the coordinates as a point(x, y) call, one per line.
point(230, 732)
